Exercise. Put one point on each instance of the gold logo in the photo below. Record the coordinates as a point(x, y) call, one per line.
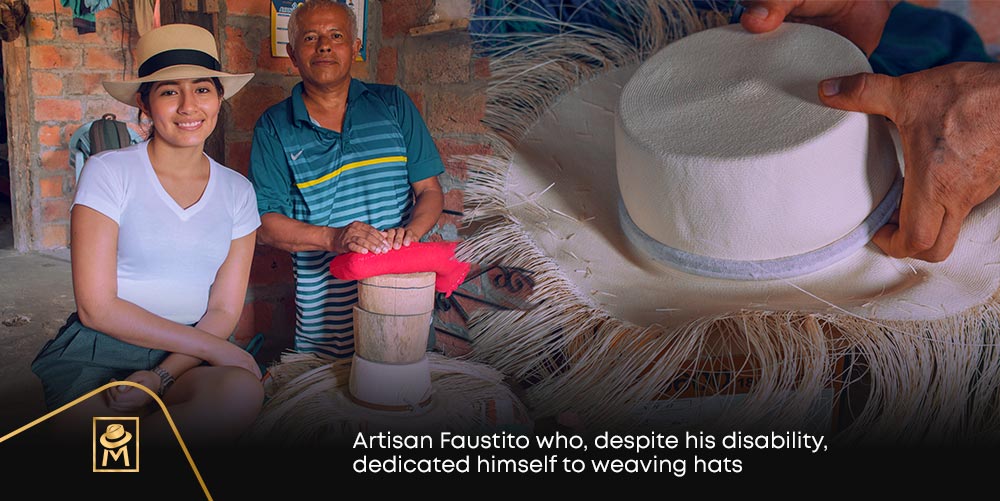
point(116, 448)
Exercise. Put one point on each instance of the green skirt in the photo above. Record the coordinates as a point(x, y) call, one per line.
point(80, 359)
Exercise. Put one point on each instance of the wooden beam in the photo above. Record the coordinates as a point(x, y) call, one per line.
point(189, 5)
point(211, 7)
point(15, 73)
point(453, 25)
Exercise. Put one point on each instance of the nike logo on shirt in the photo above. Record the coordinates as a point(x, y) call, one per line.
point(295, 156)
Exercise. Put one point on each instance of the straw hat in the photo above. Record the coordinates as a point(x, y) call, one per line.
point(173, 52)
point(666, 198)
point(115, 436)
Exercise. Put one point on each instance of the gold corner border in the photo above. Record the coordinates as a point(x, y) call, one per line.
point(106, 386)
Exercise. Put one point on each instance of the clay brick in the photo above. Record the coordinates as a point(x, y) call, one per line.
point(443, 59)
point(398, 16)
point(449, 148)
point(453, 200)
point(69, 34)
point(238, 156)
point(55, 160)
point(49, 56)
point(87, 84)
point(61, 110)
point(52, 187)
point(55, 210)
point(385, 71)
point(41, 29)
point(46, 84)
point(96, 108)
point(270, 266)
point(985, 17)
point(251, 103)
point(48, 135)
point(481, 68)
point(43, 7)
point(280, 65)
point(68, 131)
point(55, 235)
point(449, 112)
point(238, 57)
point(101, 58)
point(248, 8)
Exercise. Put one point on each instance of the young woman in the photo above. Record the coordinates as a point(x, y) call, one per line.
point(162, 240)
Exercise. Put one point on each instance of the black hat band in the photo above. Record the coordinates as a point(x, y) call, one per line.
point(175, 57)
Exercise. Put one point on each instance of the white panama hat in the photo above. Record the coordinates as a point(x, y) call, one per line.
point(175, 52)
point(708, 193)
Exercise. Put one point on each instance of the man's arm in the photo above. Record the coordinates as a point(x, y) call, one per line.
point(423, 165)
point(427, 207)
point(283, 232)
point(273, 183)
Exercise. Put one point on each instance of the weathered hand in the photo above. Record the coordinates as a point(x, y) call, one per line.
point(359, 237)
point(948, 119)
point(400, 237)
point(861, 21)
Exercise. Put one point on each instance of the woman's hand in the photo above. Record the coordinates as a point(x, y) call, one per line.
point(128, 399)
point(228, 354)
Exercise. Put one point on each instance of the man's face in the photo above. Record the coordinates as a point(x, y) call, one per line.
point(325, 47)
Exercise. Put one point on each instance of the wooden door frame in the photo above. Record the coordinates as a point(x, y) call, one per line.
point(23, 199)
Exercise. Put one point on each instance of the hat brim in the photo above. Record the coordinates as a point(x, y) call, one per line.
point(114, 444)
point(124, 91)
point(562, 190)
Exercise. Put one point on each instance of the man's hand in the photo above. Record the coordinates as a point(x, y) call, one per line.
point(948, 118)
point(861, 21)
point(400, 237)
point(359, 237)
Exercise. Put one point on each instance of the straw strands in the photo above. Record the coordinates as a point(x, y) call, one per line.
point(309, 402)
point(933, 381)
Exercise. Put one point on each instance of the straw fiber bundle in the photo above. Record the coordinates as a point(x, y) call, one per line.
point(922, 381)
point(309, 402)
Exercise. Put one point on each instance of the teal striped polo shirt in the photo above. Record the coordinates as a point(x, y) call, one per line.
point(315, 175)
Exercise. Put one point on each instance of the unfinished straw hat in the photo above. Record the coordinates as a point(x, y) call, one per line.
point(689, 199)
point(174, 52)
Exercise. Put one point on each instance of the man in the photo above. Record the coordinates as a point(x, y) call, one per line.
point(946, 116)
point(339, 166)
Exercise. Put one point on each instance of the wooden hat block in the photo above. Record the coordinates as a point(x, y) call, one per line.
point(391, 327)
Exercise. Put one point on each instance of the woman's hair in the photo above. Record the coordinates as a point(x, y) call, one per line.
point(146, 87)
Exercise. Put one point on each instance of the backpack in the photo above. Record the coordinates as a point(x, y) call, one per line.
point(108, 134)
point(103, 134)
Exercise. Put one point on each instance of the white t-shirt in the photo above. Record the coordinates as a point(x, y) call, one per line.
point(167, 256)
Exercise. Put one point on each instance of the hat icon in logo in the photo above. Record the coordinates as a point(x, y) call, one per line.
point(115, 436)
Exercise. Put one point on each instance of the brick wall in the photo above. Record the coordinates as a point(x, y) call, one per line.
point(61, 98)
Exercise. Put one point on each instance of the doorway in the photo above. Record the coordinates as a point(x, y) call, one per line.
point(6, 218)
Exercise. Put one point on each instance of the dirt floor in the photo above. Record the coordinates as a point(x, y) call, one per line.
point(36, 296)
